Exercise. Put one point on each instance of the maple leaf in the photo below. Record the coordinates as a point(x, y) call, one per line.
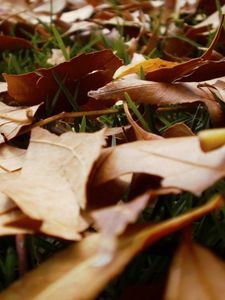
point(195, 274)
point(52, 183)
point(170, 159)
point(81, 263)
point(86, 71)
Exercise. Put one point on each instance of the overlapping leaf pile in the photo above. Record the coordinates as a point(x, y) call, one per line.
point(92, 187)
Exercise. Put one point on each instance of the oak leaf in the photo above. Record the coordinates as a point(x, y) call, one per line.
point(170, 159)
point(82, 263)
point(52, 183)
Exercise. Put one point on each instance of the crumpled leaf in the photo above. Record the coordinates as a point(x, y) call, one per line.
point(52, 183)
point(160, 93)
point(195, 273)
point(12, 119)
point(80, 264)
point(170, 159)
point(80, 74)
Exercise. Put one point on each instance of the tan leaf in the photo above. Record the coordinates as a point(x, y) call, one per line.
point(158, 93)
point(52, 183)
point(55, 7)
point(12, 119)
point(11, 158)
point(10, 223)
point(82, 263)
point(82, 13)
point(170, 159)
point(113, 220)
point(195, 273)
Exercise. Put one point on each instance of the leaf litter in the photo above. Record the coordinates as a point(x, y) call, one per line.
point(83, 172)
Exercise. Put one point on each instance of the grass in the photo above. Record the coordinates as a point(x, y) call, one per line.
point(151, 265)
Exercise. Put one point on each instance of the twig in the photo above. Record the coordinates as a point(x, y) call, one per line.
point(63, 115)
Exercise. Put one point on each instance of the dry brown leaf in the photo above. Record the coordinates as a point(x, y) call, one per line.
point(195, 273)
point(170, 159)
point(82, 263)
point(12, 119)
point(55, 7)
point(178, 130)
point(113, 220)
point(88, 71)
point(159, 93)
point(13, 43)
point(177, 72)
point(140, 133)
point(52, 183)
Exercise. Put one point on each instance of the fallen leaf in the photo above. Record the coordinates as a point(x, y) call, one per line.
point(84, 71)
point(177, 72)
point(170, 159)
point(12, 119)
point(210, 70)
point(55, 7)
point(178, 130)
point(195, 273)
point(159, 93)
point(82, 263)
point(140, 133)
point(113, 220)
point(148, 65)
point(11, 158)
point(81, 14)
point(52, 184)
point(13, 43)
point(8, 218)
